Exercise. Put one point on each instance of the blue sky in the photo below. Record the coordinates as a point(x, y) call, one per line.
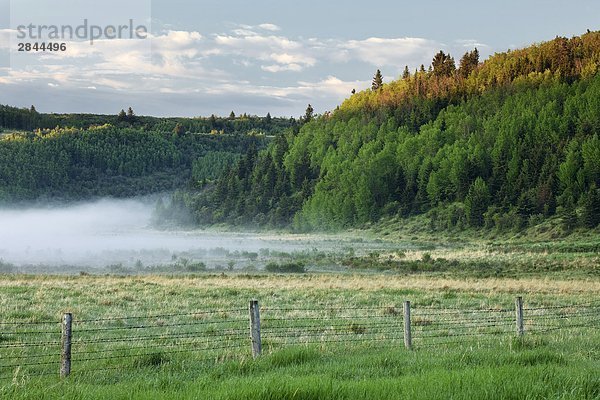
point(259, 56)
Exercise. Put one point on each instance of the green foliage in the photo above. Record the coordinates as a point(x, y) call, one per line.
point(308, 115)
point(509, 140)
point(468, 63)
point(477, 202)
point(443, 65)
point(290, 267)
point(212, 165)
point(377, 81)
point(28, 119)
point(590, 215)
point(105, 160)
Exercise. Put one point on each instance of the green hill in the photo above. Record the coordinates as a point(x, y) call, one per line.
point(502, 143)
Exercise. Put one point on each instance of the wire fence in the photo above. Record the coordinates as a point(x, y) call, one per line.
point(39, 348)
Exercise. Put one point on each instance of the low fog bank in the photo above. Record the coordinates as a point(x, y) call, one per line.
point(113, 235)
point(85, 234)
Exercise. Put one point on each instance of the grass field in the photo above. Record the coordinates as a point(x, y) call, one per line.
point(560, 364)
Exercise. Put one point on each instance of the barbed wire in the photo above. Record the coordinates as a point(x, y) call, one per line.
point(161, 315)
point(327, 308)
point(80, 342)
point(153, 353)
point(31, 332)
point(26, 357)
point(29, 344)
point(416, 309)
point(127, 327)
point(591, 304)
point(26, 323)
point(320, 326)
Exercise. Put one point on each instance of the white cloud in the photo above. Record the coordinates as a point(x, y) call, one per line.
point(390, 52)
point(471, 43)
point(269, 27)
point(251, 61)
point(288, 54)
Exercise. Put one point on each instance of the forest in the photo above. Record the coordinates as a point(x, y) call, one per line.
point(29, 119)
point(78, 164)
point(502, 144)
point(51, 157)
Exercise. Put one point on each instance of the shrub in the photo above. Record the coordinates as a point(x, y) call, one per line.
point(290, 267)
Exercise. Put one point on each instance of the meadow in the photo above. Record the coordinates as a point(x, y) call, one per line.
point(325, 335)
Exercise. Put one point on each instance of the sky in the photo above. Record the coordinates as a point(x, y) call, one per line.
point(213, 57)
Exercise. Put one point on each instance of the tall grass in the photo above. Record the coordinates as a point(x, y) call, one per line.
point(554, 365)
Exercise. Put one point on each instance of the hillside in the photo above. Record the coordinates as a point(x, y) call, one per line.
point(502, 144)
point(78, 164)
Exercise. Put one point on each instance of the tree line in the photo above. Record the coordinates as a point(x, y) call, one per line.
point(29, 119)
point(501, 144)
point(71, 163)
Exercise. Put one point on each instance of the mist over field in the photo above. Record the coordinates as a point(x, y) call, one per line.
point(117, 235)
point(100, 234)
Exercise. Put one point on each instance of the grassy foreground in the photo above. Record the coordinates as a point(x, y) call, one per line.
point(553, 365)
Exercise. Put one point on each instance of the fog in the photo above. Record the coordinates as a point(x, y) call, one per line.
point(101, 234)
point(117, 236)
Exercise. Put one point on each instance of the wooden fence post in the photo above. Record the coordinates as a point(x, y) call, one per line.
point(519, 315)
point(255, 328)
point(407, 333)
point(65, 356)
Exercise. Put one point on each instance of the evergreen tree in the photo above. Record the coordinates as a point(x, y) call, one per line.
point(477, 202)
point(590, 215)
point(308, 115)
point(122, 117)
point(569, 217)
point(130, 115)
point(443, 64)
point(212, 122)
point(468, 63)
point(232, 115)
point(406, 73)
point(178, 130)
point(268, 118)
point(377, 81)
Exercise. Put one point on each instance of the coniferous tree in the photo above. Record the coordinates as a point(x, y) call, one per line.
point(232, 115)
point(179, 129)
point(468, 63)
point(477, 202)
point(377, 81)
point(212, 122)
point(590, 215)
point(443, 64)
point(130, 115)
point(569, 217)
point(122, 117)
point(406, 73)
point(308, 115)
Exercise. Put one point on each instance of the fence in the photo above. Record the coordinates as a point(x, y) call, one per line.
point(36, 348)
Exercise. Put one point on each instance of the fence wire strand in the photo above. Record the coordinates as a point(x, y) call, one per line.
point(218, 331)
